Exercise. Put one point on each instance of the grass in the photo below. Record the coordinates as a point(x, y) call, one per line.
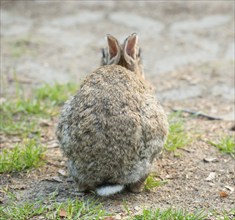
point(169, 214)
point(56, 94)
point(224, 215)
point(49, 209)
point(24, 211)
point(79, 209)
point(178, 137)
point(21, 157)
point(22, 126)
point(225, 145)
point(85, 210)
point(151, 183)
point(20, 116)
point(43, 100)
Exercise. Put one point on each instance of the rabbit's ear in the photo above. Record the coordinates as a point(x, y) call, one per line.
point(131, 48)
point(114, 50)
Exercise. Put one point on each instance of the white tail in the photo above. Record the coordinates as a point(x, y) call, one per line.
point(109, 190)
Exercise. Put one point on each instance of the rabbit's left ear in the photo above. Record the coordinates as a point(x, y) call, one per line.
point(131, 48)
point(114, 50)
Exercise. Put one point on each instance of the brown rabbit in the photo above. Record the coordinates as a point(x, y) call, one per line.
point(113, 128)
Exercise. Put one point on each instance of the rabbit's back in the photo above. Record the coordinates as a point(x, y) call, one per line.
point(112, 127)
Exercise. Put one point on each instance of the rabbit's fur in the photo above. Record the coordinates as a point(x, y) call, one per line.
point(113, 128)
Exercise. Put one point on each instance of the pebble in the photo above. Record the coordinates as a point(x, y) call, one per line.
point(211, 176)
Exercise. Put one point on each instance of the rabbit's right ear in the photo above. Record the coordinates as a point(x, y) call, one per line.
point(131, 49)
point(114, 50)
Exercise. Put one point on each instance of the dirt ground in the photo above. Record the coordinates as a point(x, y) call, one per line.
point(188, 52)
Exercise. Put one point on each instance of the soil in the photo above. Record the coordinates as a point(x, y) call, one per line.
point(188, 51)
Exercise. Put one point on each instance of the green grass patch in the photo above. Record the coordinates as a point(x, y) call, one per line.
point(22, 126)
point(225, 145)
point(42, 102)
point(20, 116)
point(21, 157)
point(178, 137)
point(56, 94)
point(78, 209)
point(169, 214)
point(23, 211)
point(224, 215)
point(49, 208)
point(151, 182)
point(70, 209)
point(24, 106)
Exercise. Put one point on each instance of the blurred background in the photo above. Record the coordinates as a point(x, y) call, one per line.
point(188, 46)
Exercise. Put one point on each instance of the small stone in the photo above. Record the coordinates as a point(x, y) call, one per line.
point(118, 217)
point(57, 179)
point(78, 193)
point(210, 159)
point(62, 172)
point(54, 179)
point(53, 145)
point(45, 123)
point(18, 187)
point(230, 188)
point(211, 176)
point(137, 208)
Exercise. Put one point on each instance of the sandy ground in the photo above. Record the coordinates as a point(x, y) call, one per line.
point(188, 52)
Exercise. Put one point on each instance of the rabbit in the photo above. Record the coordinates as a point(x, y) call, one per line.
point(114, 127)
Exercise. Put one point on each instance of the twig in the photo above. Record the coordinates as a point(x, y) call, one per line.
point(200, 114)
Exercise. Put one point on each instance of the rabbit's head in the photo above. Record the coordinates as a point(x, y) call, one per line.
point(127, 55)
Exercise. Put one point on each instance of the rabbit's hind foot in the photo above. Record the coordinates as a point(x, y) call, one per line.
point(138, 186)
